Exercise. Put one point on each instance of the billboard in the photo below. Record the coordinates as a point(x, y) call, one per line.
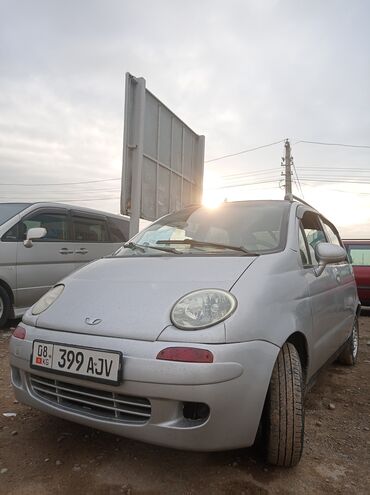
point(163, 159)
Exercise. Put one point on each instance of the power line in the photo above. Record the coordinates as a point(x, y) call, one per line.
point(59, 183)
point(244, 151)
point(334, 144)
point(341, 180)
point(68, 200)
point(249, 173)
point(242, 184)
point(299, 182)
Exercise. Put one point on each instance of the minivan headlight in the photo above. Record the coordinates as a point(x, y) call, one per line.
point(47, 299)
point(202, 308)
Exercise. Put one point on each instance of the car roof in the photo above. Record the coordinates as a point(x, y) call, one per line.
point(356, 241)
point(49, 204)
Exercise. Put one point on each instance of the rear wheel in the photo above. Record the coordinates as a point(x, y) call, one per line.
point(349, 354)
point(4, 307)
point(284, 411)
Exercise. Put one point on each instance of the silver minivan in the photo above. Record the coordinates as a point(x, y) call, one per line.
point(41, 243)
point(201, 331)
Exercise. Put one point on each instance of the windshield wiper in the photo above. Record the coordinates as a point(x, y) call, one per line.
point(166, 250)
point(193, 242)
point(142, 248)
point(133, 246)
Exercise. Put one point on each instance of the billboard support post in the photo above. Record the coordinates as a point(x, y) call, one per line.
point(133, 150)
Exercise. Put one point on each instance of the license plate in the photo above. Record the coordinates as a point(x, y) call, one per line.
point(84, 362)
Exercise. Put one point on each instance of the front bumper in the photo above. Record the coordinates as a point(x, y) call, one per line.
point(234, 387)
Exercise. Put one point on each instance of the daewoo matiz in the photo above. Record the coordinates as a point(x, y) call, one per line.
point(203, 330)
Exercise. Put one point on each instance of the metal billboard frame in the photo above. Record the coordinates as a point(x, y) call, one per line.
point(160, 172)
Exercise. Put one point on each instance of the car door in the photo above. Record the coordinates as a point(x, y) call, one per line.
point(346, 291)
point(91, 238)
point(48, 260)
point(322, 291)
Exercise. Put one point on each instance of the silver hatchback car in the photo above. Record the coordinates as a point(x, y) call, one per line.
point(204, 329)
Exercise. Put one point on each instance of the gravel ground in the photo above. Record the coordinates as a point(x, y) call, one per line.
point(40, 454)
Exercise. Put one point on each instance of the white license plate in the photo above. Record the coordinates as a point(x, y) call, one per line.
point(94, 364)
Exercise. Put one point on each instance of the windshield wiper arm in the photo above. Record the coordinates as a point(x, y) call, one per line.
point(144, 247)
point(133, 246)
point(166, 250)
point(193, 242)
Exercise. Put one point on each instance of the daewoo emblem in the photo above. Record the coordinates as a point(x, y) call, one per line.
point(92, 321)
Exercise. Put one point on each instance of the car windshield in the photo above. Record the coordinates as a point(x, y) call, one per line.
point(233, 229)
point(8, 210)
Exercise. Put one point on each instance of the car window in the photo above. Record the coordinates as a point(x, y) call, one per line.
point(303, 248)
point(11, 235)
point(89, 229)
point(119, 229)
point(330, 234)
point(313, 231)
point(359, 254)
point(56, 225)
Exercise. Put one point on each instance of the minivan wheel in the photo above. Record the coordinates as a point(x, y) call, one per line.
point(349, 354)
point(4, 307)
point(284, 410)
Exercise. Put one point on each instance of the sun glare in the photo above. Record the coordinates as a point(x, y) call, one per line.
point(212, 199)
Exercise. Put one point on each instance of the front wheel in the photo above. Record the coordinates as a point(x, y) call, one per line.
point(284, 410)
point(4, 307)
point(349, 354)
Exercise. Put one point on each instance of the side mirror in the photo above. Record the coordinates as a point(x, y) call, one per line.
point(32, 234)
point(328, 253)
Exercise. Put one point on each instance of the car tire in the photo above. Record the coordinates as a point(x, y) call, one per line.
point(5, 307)
point(349, 354)
point(284, 410)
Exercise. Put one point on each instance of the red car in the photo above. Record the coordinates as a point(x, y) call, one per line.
point(359, 255)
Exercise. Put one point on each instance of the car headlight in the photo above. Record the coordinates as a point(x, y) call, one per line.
point(202, 308)
point(47, 299)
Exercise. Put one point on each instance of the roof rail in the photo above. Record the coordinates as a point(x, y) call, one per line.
point(303, 202)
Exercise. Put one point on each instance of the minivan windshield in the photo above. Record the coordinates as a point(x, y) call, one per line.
point(233, 229)
point(8, 210)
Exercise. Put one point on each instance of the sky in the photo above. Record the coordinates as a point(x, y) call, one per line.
point(244, 73)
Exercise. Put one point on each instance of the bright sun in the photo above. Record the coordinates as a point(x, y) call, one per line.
point(212, 199)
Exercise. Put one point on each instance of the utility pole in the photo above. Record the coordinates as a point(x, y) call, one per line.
point(287, 163)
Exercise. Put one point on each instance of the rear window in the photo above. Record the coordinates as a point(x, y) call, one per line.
point(89, 229)
point(359, 254)
point(9, 210)
point(119, 229)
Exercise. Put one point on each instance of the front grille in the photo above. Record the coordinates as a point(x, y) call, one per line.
point(91, 401)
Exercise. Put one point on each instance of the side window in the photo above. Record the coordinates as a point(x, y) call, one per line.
point(359, 254)
point(119, 230)
point(56, 225)
point(303, 247)
point(314, 233)
point(89, 229)
point(330, 233)
point(11, 235)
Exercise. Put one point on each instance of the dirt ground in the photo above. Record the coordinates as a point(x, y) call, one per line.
point(40, 454)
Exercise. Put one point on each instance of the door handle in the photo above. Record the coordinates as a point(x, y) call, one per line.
point(65, 251)
point(81, 251)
